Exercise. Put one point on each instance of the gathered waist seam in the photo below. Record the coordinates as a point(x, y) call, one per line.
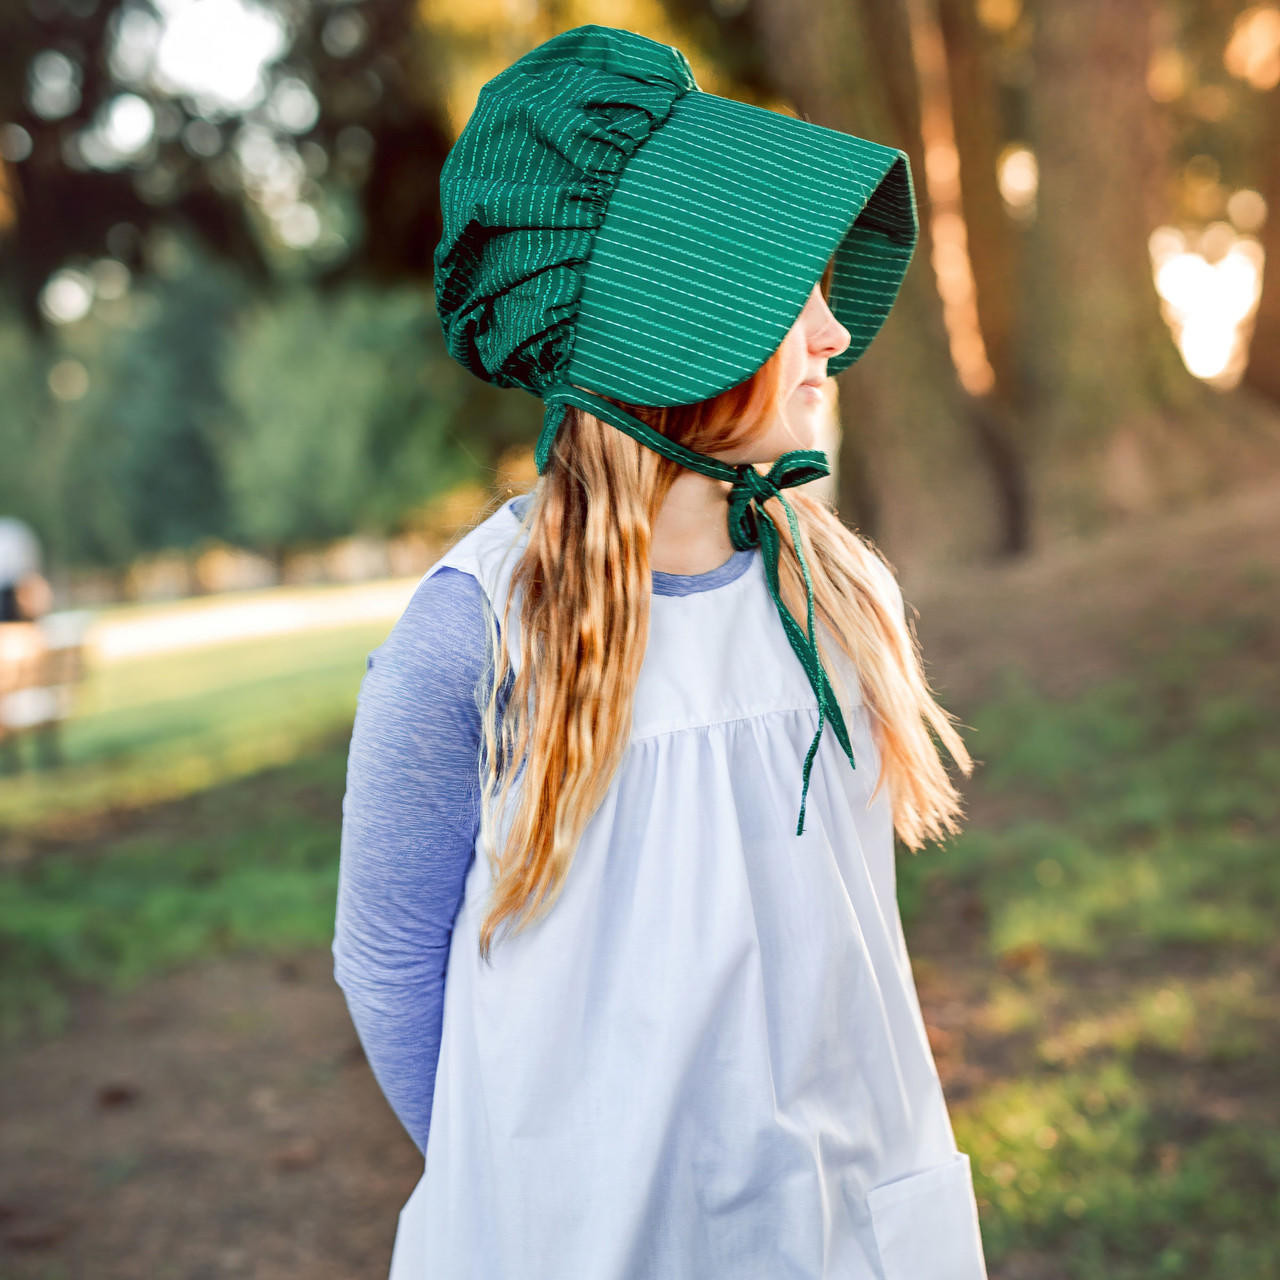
point(848, 708)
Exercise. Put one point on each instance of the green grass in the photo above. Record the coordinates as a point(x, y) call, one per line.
point(199, 809)
point(1134, 1130)
point(1105, 1169)
point(174, 725)
point(1126, 1123)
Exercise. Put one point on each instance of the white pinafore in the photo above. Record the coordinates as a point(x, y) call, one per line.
point(708, 1061)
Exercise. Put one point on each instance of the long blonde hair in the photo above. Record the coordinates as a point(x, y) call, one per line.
point(585, 582)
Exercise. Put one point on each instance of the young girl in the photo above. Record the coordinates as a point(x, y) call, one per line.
point(644, 1019)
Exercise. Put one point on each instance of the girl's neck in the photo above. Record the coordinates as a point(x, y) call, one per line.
point(691, 532)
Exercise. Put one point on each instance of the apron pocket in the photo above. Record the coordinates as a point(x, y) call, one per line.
point(926, 1224)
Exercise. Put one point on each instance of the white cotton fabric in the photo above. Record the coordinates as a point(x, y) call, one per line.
point(708, 1062)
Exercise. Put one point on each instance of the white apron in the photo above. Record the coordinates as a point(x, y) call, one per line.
point(708, 1061)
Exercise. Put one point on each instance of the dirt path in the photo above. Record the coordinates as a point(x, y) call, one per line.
point(138, 631)
point(221, 1121)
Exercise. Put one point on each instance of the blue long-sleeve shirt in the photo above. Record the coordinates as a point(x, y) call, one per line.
point(410, 818)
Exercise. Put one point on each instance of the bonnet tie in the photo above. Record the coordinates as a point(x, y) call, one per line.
point(749, 526)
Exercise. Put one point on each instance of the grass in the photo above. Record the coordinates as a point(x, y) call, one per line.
point(198, 810)
point(1127, 975)
point(1122, 995)
point(175, 725)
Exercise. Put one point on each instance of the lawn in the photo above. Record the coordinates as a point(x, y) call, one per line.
point(199, 808)
point(1113, 1057)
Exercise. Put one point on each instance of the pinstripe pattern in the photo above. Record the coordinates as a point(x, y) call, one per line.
point(524, 189)
point(714, 236)
point(607, 223)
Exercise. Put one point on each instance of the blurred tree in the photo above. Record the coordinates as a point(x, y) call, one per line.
point(137, 471)
point(1120, 426)
point(318, 172)
point(382, 123)
point(983, 106)
point(26, 491)
point(1247, 46)
point(57, 89)
point(1262, 373)
point(339, 413)
point(330, 162)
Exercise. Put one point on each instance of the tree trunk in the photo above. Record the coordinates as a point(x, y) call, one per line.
point(992, 237)
point(970, 94)
point(1262, 372)
point(909, 475)
point(1121, 427)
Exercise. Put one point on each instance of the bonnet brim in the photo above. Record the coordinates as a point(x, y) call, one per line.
point(714, 236)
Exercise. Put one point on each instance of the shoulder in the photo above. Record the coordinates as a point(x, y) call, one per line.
point(448, 595)
point(487, 549)
point(439, 639)
point(417, 715)
point(443, 635)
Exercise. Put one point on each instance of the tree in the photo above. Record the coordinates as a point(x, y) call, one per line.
point(351, 99)
point(1120, 426)
point(339, 414)
point(1262, 373)
point(909, 474)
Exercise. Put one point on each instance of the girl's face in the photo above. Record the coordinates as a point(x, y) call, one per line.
point(816, 337)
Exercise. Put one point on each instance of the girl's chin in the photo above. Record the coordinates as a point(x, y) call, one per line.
point(801, 436)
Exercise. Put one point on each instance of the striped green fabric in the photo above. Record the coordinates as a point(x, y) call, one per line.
point(607, 223)
point(715, 234)
point(612, 230)
point(524, 189)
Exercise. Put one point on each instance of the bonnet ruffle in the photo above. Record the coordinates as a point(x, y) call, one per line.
point(510, 264)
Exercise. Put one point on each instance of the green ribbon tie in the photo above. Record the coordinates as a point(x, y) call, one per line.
point(749, 526)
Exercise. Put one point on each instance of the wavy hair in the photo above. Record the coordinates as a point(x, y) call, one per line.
point(584, 582)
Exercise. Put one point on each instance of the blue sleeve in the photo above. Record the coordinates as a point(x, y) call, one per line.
point(410, 816)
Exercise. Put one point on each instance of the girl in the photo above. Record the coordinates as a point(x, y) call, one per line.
point(644, 1020)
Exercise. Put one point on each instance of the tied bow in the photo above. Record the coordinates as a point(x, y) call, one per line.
point(749, 526)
